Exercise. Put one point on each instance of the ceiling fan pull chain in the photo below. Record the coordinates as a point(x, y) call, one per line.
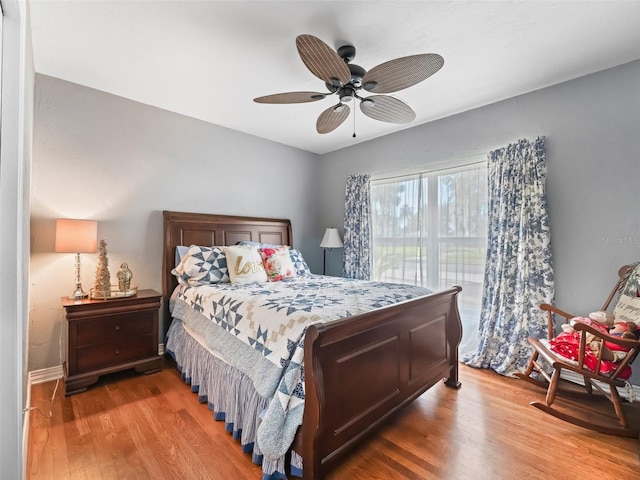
point(354, 123)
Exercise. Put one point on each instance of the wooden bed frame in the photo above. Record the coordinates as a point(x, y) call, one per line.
point(358, 371)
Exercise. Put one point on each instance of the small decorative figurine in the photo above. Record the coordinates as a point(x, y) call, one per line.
point(103, 278)
point(124, 278)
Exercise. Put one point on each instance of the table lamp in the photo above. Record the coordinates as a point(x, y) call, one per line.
point(76, 236)
point(330, 240)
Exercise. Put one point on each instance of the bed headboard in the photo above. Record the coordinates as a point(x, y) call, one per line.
point(213, 230)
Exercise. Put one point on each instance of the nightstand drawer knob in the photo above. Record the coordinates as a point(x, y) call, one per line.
point(117, 327)
point(117, 352)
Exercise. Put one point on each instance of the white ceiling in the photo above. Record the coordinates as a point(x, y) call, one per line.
point(209, 59)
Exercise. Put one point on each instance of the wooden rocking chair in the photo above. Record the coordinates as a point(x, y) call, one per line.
point(546, 366)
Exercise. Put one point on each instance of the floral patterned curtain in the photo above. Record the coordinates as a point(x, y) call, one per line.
point(518, 273)
point(357, 230)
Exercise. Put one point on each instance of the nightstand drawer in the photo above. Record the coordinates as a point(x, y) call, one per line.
point(110, 329)
point(108, 354)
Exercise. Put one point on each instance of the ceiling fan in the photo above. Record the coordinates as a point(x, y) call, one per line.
point(347, 80)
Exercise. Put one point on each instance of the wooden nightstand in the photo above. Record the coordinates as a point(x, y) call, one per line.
point(106, 336)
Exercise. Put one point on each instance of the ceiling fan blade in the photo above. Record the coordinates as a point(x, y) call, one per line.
point(322, 60)
point(332, 118)
point(401, 73)
point(291, 97)
point(387, 109)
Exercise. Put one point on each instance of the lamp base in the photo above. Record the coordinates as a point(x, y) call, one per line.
point(324, 263)
point(78, 294)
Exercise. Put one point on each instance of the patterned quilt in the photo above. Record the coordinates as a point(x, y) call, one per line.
point(259, 328)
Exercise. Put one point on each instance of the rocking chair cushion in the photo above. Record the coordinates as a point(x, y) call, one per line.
point(567, 346)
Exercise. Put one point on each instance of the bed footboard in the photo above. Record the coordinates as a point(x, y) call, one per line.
point(361, 370)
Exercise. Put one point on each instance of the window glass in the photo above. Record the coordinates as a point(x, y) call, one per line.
point(430, 229)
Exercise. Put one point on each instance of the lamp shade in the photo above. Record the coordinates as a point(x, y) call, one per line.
point(76, 236)
point(331, 239)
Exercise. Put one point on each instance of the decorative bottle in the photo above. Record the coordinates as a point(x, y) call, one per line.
point(124, 278)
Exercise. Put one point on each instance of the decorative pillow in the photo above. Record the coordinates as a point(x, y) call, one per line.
point(181, 251)
point(277, 263)
point(245, 264)
point(202, 266)
point(296, 257)
point(632, 286)
point(628, 307)
point(298, 262)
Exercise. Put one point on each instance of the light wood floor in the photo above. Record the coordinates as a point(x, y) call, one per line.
point(137, 427)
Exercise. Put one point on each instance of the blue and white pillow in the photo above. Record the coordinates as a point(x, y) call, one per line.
point(298, 262)
point(181, 251)
point(202, 266)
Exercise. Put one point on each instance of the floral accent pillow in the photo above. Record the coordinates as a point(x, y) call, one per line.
point(202, 266)
point(296, 257)
point(245, 264)
point(277, 263)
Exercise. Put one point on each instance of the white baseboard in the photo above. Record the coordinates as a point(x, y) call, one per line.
point(26, 417)
point(44, 375)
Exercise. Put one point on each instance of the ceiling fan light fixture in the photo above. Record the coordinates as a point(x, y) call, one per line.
point(347, 93)
point(367, 103)
point(370, 86)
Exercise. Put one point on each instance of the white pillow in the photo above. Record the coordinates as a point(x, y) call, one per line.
point(245, 264)
point(627, 309)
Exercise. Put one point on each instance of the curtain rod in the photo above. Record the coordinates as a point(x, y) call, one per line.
point(431, 167)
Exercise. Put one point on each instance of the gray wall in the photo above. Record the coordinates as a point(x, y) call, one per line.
point(120, 162)
point(592, 129)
